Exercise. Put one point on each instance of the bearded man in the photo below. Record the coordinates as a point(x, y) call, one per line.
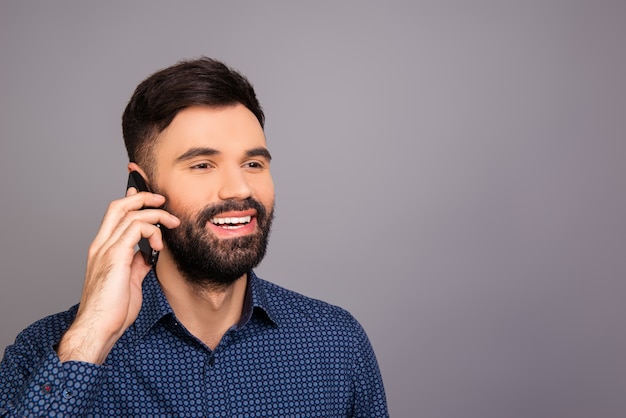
point(193, 332)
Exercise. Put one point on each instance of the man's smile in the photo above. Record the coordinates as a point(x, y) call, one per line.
point(232, 224)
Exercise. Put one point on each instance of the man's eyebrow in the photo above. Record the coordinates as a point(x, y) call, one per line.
point(259, 152)
point(197, 152)
point(208, 152)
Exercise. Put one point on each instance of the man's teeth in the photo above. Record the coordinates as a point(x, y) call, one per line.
point(231, 221)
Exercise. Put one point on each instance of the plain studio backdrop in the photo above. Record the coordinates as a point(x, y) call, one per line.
point(451, 172)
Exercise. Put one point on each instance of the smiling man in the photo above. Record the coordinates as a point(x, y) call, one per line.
point(197, 334)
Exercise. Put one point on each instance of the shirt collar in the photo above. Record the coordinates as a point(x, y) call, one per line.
point(155, 306)
point(258, 294)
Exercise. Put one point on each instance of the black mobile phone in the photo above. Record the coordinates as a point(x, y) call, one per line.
point(137, 181)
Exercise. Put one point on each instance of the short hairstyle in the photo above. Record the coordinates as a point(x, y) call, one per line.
point(157, 100)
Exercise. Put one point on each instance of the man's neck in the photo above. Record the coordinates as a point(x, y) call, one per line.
point(207, 312)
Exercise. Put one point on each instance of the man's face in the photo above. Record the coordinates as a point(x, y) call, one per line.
point(213, 166)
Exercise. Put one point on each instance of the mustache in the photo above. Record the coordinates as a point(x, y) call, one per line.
point(231, 205)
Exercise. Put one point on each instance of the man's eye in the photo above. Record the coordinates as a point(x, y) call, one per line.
point(201, 166)
point(254, 164)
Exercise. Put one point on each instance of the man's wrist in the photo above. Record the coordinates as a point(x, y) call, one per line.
point(77, 345)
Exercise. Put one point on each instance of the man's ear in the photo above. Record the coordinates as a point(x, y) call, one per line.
point(134, 167)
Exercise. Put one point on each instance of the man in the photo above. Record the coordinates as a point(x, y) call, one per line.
point(198, 333)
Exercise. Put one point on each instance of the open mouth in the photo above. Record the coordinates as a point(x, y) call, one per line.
point(231, 223)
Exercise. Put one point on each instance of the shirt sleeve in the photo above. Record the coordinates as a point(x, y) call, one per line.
point(370, 399)
point(34, 382)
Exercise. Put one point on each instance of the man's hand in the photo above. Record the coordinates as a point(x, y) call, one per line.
point(111, 296)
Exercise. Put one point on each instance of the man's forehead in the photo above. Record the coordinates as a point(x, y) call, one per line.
point(225, 129)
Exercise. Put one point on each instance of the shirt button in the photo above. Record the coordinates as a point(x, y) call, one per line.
point(211, 361)
point(67, 393)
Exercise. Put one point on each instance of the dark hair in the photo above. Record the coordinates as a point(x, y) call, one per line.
point(157, 100)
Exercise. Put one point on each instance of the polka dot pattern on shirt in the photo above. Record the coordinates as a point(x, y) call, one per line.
point(292, 356)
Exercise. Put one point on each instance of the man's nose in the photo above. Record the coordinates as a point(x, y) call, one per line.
point(234, 185)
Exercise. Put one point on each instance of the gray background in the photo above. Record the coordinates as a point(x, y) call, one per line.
point(452, 172)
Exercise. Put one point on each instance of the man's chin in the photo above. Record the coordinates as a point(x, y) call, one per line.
point(219, 262)
point(218, 251)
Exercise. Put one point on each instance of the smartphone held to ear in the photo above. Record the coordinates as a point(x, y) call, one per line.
point(149, 254)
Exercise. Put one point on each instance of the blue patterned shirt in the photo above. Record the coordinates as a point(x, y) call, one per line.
point(289, 356)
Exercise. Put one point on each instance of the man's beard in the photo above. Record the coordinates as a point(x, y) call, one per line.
point(207, 261)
